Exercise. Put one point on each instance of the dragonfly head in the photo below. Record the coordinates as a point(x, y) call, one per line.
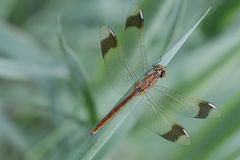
point(160, 70)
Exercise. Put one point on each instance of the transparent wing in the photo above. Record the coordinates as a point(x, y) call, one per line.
point(118, 72)
point(134, 43)
point(172, 100)
point(157, 121)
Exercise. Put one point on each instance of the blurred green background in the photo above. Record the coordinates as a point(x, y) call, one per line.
point(52, 94)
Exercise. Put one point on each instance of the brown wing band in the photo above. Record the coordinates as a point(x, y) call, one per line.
point(174, 134)
point(108, 43)
point(204, 109)
point(135, 21)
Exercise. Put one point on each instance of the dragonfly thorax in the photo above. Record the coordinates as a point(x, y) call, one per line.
point(151, 78)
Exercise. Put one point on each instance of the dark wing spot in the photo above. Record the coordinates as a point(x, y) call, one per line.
point(204, 109)
point(135, 20)
point(174, 134)
point(108, 43)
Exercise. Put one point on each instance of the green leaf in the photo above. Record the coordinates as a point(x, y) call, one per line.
point(17, 70)
point(14, 43)
point(78, 74)
point(14, 136)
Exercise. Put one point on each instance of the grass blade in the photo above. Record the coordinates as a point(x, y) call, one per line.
point(79, 75)
point(172, 52)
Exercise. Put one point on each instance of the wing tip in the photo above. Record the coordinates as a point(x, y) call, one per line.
point(106, 30)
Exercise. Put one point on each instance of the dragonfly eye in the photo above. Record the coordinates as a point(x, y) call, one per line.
point(160, 71)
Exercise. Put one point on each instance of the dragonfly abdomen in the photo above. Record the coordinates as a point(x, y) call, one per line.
point(113, 113)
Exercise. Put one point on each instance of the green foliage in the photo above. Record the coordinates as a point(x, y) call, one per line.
point(53, 88)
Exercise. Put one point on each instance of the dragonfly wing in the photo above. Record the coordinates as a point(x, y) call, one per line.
point(160, 123)
point(191, 107)
point(134, 43)
point(118, 72)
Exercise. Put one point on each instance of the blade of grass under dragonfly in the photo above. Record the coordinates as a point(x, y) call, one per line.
point(172, 52)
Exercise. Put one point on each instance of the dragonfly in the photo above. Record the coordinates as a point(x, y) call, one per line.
point(145, 94)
